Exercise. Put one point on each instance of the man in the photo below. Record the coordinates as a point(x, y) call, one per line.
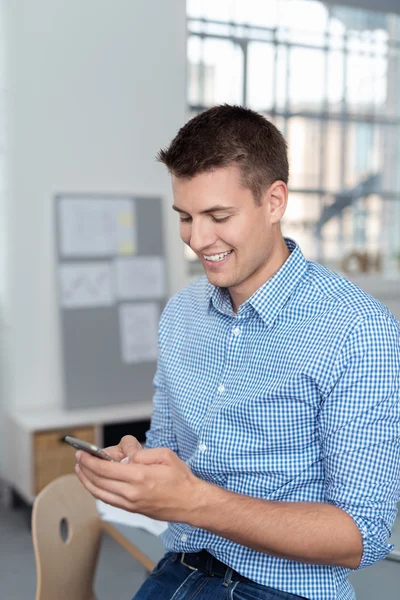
point(274, 443)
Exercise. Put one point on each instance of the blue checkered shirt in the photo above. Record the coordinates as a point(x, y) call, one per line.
point(294, 398)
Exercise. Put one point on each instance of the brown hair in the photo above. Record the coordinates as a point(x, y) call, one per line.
point(225, 135)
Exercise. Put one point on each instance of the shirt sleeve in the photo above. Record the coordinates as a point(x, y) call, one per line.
point(359, 428)
point(161, 433)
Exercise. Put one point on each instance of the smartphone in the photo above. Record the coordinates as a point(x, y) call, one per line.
point(88, 447)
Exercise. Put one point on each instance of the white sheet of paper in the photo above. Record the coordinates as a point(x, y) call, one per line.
point(140, 277)
point(86, 284)
point(96, 228)
point(138, 331)
point(117, 515)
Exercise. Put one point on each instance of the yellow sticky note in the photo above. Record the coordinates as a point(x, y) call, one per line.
point(126, 247)
point(125, 219)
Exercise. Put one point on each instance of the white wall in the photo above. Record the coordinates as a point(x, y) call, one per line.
point(95, 88)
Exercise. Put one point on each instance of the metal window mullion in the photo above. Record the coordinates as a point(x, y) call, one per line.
point(201, 73)
point(244, 45)
point(344, 115)
point(275, 74)
point(323, 138)
point(349, 118)
point(287, 83)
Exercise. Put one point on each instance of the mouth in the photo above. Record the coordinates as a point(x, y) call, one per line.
point(217, 259)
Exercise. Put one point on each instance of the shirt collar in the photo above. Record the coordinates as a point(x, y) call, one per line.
point(270, 298)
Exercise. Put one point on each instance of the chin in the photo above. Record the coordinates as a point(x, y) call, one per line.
point(218, 280)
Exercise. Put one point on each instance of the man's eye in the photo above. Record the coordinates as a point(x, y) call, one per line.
point(185, 219)
point(220, 220)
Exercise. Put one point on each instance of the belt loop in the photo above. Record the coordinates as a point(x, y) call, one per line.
point(209, 564)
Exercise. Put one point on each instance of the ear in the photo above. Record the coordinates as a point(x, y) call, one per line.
point(277, 199)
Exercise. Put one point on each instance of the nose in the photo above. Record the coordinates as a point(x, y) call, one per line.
point(202, 234)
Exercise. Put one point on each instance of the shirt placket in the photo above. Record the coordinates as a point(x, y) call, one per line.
point(223, 391)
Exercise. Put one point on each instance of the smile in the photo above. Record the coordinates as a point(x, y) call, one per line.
point(217, 257)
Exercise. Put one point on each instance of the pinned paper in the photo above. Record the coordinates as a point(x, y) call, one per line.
point(97, 227)
point(138, 331)
point(86, 285)
point(140, 277)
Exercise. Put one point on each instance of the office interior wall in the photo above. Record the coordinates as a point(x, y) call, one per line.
point(3, 228)
point(94, 89)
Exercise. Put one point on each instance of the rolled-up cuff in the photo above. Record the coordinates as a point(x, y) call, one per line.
point(374, 549)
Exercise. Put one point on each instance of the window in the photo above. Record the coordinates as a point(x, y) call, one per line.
point(329, 78)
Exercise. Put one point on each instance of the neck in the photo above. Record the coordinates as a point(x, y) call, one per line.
point(239, 294)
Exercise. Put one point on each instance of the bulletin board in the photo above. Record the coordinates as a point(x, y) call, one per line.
point(112, 288)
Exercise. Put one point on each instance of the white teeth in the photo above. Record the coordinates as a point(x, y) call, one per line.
point(217, 257)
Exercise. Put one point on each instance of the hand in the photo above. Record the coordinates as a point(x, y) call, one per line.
point(125, 449)
point(155, 483)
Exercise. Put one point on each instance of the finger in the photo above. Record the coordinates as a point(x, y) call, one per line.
point(129, 445)
point(116, 452)
point(125, 489)
point(151, 456)
point(107, 469)
point(115, 499)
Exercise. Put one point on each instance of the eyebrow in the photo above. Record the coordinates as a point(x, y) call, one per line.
point(216, 208)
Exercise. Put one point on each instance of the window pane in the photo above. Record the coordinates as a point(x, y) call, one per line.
point(304, 146)
point(374, 209)
point(306, 85)
point(363, 158)
point(335, 80)
point(355, 230)
point(219, 11)
point(332, 156)
point(260, 82)
point(303, 211)
point(392, 104)
point(281, 91)
point(215, 72)
point(360, 69)
point(256, 12)
point(279, 122)
point(303, 21)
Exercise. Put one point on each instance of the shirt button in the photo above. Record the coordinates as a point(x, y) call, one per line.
point(236, 331)
point(184, 538)
point(202, 447)
point(221, 388)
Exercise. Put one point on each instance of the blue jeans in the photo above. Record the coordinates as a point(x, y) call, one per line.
point(171, 580)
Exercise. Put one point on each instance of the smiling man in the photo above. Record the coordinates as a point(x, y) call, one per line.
point(274, 449)
point(237, 240)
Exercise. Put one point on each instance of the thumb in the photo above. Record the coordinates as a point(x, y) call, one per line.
point(129, 445)
point(153, 456)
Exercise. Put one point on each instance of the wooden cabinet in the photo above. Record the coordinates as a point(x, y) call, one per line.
point(53, 457)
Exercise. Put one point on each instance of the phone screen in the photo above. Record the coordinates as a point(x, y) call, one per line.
point(88, 447)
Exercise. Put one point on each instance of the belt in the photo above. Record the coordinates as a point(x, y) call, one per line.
point(211, 566)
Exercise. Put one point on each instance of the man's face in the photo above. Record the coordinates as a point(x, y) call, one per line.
point(234, 238)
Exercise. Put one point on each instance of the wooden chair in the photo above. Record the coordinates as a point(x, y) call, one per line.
point(65, 564)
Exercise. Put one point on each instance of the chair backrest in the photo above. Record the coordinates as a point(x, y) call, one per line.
point(66, 538)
